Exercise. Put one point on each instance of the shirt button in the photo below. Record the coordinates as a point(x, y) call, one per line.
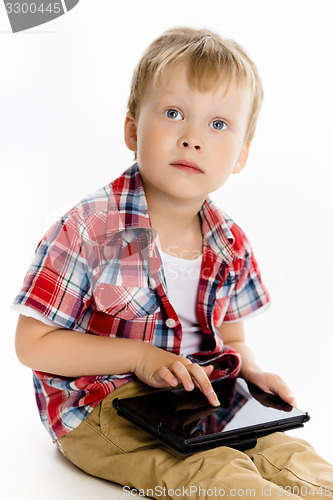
point(170, 323)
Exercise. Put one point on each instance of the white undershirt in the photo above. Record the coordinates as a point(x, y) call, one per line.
point(182, 277)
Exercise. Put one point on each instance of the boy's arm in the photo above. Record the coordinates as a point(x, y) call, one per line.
point(74, 354)
point(233, 335)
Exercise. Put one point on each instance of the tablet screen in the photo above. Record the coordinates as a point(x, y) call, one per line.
point(245, 408)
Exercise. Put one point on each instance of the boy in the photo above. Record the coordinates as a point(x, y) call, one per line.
point(143, 285)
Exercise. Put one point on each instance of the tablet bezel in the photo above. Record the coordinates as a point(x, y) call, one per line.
point(240, 438)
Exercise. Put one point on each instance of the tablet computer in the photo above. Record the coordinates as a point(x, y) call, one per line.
point(186, 422)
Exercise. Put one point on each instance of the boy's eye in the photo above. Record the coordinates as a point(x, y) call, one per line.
point(218, 125)
point(173, 114)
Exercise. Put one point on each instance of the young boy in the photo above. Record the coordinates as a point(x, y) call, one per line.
point(143, 284)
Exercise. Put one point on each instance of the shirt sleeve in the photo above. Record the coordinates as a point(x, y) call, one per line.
point(32, 313)
point(58, 282)
point(248, 295)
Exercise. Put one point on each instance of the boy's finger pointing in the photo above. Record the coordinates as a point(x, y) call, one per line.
point(202, 381)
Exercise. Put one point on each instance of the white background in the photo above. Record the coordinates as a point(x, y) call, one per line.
point(63, 94)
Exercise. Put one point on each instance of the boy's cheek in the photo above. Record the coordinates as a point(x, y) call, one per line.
point(151, 147)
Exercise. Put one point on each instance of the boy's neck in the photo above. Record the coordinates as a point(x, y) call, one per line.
point(177, 222)
point(172, 212)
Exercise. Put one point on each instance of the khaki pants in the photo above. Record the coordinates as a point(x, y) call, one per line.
point(107, 446)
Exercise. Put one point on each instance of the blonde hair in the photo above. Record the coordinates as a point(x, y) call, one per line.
point(211, 60)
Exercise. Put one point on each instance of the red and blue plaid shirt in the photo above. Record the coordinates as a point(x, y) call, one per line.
point(98, 270)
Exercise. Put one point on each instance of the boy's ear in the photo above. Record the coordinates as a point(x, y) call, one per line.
point(130, 133)
point(242, 158)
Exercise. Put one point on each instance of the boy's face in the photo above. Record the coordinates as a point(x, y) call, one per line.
point(189, 142)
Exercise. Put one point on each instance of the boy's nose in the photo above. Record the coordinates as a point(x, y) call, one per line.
point(187, 145)
point(190, 141)
point(190, 137)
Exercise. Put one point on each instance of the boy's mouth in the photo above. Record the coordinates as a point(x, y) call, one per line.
point(187, 165)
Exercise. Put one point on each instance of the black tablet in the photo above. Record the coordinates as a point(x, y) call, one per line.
point(186, 422)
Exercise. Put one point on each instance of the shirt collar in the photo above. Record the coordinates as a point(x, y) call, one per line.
point(216, 231)
point(128, 207)
point(128, 210)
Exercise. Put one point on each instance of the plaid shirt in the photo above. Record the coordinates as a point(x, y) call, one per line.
point(98, 270)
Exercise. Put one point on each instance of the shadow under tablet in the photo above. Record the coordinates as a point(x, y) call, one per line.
point(186, 422)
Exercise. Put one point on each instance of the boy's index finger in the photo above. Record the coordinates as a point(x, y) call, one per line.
point(212, 397)
point(201, 380)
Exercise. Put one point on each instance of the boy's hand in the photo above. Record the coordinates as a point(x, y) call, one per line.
point(159, 368)
point(273, 384)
